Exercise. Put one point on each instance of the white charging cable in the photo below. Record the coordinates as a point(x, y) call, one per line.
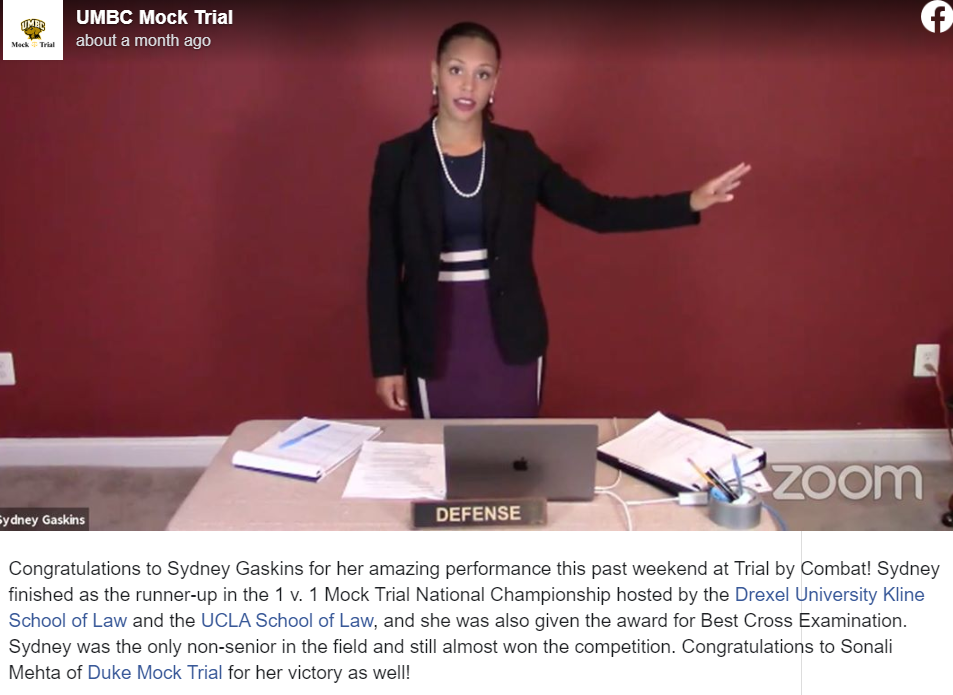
point(618, 476)
point(625, 508)
point(684, 499)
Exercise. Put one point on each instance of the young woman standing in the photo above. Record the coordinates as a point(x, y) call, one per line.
point(457, 324)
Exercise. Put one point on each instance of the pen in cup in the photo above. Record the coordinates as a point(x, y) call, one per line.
point(734, 462)
point(704, 475)
point(732, 495)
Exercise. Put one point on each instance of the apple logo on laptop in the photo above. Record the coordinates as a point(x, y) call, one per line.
point(521, 464)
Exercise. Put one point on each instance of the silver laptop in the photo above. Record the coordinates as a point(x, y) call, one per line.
point(556, 462)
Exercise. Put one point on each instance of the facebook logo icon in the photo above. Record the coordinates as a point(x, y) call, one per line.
point(937, 16)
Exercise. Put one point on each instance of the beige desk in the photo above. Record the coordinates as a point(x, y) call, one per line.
point(230, 498)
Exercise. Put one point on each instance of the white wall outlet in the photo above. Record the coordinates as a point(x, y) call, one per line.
point(7, 375)
point(926, 354)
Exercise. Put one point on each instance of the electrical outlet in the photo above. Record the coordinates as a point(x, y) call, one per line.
point(926, 354)
point(7, 375)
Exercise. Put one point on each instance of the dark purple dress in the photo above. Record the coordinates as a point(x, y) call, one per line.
point(471, 380)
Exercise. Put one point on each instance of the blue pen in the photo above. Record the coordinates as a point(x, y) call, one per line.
point(734, 461)
point(295, 440)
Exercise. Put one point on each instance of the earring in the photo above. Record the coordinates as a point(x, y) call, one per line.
point(434, 92)
point(491, 99)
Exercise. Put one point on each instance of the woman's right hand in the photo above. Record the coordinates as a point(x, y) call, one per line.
point(392, 390)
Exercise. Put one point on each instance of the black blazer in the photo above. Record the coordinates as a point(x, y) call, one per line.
point(406, 228)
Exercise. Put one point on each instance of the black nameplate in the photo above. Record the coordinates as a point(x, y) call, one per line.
point(511, 512)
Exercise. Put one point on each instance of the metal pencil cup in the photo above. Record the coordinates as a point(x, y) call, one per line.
point(736, 515)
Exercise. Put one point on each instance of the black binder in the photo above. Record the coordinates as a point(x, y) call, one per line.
point(669, 486)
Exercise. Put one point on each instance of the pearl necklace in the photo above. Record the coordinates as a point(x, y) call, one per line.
point(446, 173)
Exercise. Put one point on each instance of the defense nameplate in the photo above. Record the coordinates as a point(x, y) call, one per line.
point(507, 512)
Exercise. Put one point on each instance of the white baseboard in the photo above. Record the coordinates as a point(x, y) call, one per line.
point(861, 446)
point(132, 452)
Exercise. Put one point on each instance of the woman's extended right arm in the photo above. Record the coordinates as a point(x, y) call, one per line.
point(383, 282)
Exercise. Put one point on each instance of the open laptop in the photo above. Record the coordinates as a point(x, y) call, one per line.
point(557, 462)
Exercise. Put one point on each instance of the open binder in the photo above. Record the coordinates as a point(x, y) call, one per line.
point(657, 451)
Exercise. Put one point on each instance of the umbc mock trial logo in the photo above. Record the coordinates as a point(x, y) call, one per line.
point(33, 27)
point(41, 40)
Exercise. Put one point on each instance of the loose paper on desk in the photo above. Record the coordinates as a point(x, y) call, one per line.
point(313, 456)
point(662, 446)
point(398, 471)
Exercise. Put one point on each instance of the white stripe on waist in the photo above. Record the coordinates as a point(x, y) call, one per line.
point(463, 256)
point(463, 275)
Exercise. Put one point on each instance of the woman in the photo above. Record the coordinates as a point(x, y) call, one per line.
point(457, 324)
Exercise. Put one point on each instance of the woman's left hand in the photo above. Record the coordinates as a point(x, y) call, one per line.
point(718, 190)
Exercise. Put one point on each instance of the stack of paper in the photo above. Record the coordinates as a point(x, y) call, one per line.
point(658, 449)
point(398, 471)
point(309, 448)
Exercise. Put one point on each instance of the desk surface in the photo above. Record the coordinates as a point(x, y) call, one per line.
point(227, 498)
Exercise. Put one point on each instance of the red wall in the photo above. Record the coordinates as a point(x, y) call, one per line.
point(183, 233)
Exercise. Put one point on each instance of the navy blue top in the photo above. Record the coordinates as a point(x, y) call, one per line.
point(463, 217)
